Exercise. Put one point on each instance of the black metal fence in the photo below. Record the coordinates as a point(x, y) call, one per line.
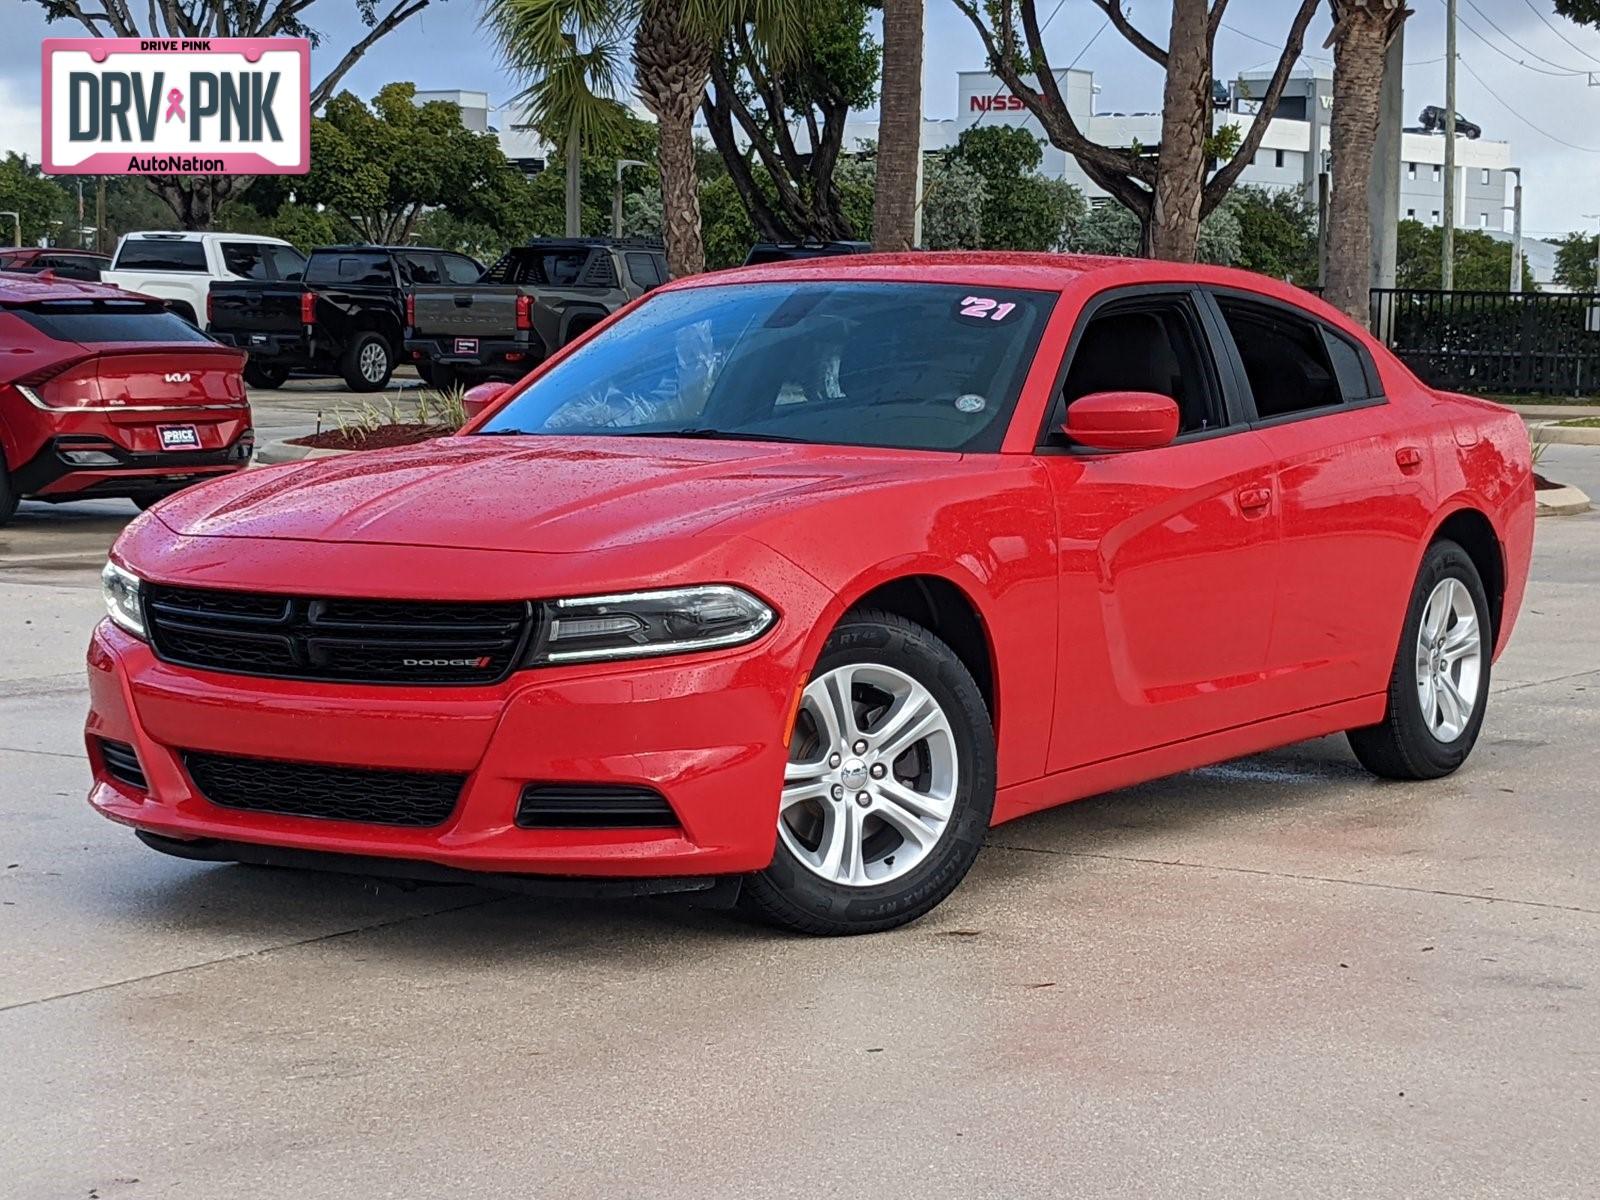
point(1493, 341)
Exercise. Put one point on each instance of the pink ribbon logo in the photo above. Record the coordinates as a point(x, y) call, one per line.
point(175, 105)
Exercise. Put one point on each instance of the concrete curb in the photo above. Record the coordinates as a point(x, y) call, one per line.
point(283, 452)
point(1567, 435)
point(1560, 502)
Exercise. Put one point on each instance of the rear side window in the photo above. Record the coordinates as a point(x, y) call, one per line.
point(92, 322)
point(1285, 359)
point(1353, 367)
point(644, 270)
point(162, 254)
point(351, 268)
point(246, 259)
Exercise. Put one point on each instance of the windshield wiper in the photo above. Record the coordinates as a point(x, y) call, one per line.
point(711, 435)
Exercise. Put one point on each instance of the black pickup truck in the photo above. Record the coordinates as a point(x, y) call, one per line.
point(346, 315)
point(533, 300)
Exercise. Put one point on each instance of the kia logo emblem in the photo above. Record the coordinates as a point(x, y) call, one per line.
point(178, 377)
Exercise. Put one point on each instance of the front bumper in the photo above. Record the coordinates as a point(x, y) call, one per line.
point(705, 731)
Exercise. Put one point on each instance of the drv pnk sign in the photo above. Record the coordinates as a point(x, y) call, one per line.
point(169, 106)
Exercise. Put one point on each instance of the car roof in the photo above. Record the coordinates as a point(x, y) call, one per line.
point(1012, 269)
point(35, 251)
point(191, 235)
point(18, 288)
point(378, 249)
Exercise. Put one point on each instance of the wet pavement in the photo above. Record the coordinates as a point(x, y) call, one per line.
point(1274, 977)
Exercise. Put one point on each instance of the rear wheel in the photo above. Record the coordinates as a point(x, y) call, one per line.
point(367, 362)
point(260, 375)
point(889, 786)
point(1439, 687)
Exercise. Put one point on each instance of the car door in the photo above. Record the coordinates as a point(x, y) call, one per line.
point(1353, 496)
point(1166, 556)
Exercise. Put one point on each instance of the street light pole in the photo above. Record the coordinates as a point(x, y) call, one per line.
point(616, 194)
point(1447, 240)
point(1516, 232)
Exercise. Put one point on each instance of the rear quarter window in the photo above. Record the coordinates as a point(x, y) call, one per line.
point(159, 254)
point(90, 323)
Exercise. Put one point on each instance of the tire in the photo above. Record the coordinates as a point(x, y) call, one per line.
point(9, 499)
point(367, 362)
point(425, 372)
point(1424, 734)
point(818, 889)
point(151, 499)
point(259, 375)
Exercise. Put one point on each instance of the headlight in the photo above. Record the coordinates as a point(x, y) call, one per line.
point(124, 599)
point(637, 624)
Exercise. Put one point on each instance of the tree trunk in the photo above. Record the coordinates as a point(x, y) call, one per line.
point(194, 199)
point(673, 65)
point(1185, 125)
point(1361, 41)
point(894, 215)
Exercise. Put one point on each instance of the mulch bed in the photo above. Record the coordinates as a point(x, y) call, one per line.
point(381, 438)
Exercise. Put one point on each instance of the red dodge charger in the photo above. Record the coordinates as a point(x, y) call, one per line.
point(785, 584)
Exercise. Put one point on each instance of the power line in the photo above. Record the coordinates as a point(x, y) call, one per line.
point(1488, 20)
point(1236, 31)
point(1543, 132)
point(1506, 54)
point(1556, 30)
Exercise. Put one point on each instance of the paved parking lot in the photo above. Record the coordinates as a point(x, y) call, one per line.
point(1276, 977)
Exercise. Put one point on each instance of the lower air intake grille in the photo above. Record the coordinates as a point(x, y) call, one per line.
point(122, 764)
point(593, 806)
point(410, 798)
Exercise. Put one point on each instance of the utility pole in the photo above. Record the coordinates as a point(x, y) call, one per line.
point(616, 194)
point(1516, 232)
point(1447, 240)
point(100, 214)
point(574, 184)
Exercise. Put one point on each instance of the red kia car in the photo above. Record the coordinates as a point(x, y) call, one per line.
point(104, 393)
point(792, 581)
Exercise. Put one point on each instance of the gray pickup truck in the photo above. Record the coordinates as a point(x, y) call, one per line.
point(535, 299)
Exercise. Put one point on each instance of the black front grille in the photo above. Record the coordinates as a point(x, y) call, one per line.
point(356, 641)
point(593, 806)
point(374, 797)
point(122, 764)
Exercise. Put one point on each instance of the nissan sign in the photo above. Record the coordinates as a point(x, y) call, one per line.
point(167, 106)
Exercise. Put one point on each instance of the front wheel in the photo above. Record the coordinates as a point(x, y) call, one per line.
point(367, 363)
point(889, 785)
point(1439, 687)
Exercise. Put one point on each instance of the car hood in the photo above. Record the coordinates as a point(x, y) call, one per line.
point(531, 494)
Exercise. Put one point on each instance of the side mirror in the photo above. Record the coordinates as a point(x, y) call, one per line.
point(484, 394)
point(1122, 420)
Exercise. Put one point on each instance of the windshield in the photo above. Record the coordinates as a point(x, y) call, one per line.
point(917, 366)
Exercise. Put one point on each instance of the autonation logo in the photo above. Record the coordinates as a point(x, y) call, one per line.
point(155, 106)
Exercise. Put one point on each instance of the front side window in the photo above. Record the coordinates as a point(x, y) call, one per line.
point(1285, 358)
point(289, 264)
point(917, 366)
point(1147, 346)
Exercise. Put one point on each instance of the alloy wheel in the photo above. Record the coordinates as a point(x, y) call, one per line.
point(373, 362)
point(1449, 659)
point(872, 777)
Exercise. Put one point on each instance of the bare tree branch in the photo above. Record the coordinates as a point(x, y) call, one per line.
point(1218, 7)
point(1217, 186)
point(1119, 19)
point(402, 12)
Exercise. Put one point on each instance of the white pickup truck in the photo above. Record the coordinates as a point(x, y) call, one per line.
point(180, 267)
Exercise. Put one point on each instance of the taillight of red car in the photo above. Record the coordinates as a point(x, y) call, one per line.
point(524, 312)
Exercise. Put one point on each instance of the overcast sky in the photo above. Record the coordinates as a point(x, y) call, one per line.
point(1516, 80)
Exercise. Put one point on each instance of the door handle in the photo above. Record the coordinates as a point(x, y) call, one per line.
point(1253, 498)
point(1409, 458)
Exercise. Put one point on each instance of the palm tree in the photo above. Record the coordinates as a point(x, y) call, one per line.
point(1362, 31)
point(895, 198)
point(571, 52)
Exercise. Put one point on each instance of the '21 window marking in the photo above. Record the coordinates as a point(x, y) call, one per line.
point(982, 308)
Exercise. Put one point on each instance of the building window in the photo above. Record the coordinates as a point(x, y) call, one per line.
point(1485, 178)
point(1411, 214)
point(1277, 158)
point(1483, 220)
point(1436, 216)
point(1411, 170)
point(1436, 173)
